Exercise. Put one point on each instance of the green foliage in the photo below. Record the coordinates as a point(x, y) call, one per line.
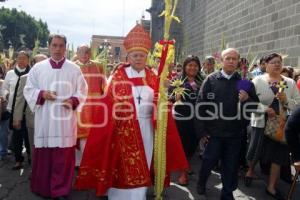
point(94, 53)
point(252, 58)
point(217, 54)
point(70, 51)
point(223, 42)
point(103, 57)
point(36, 47)
point(100, 57)
point(21, 29)
point(151, 60)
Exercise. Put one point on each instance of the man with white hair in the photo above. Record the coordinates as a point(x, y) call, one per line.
point(221, 103)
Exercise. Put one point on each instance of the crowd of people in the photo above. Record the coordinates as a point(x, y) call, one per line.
point(73, 115)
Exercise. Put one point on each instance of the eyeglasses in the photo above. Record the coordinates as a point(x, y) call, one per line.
point(275, 62)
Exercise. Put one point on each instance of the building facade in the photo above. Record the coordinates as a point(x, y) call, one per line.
point(255, 26)
point(116, 49)
point(114, 44)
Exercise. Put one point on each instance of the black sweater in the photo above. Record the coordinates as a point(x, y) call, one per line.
point(292, 132)
point(222, 95)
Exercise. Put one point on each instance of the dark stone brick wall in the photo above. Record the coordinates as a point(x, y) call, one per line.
point(263, 26)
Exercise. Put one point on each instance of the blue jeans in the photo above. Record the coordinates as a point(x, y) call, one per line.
point(4, 131)
point(228, 151)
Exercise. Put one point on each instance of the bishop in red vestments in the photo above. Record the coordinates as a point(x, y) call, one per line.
point(118, 156)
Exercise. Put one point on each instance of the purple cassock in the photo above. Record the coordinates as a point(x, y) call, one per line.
point(52, 171)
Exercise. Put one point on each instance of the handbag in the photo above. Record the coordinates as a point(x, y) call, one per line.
point(275, 127)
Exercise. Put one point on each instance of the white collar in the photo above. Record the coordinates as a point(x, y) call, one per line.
point(20, 70)
point(132, 73)
point(227, 76)
point(57, 61)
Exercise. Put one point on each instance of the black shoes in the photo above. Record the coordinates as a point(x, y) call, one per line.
point(191, 172)
point(277, 195)
point(3, 158)
point(17, 166)
point(60, 198)
point(201, 190)
point(248, 181)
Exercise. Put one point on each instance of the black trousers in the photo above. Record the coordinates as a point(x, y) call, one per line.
point(228, 151)
point(188, 136)
point(19, 138)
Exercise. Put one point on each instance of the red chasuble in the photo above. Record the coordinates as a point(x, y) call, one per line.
point(95, 77)
point(114, 154)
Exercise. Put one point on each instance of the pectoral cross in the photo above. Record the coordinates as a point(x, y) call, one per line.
point(139, 98)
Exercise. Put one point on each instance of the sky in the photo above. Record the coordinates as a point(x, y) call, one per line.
point(80, 19)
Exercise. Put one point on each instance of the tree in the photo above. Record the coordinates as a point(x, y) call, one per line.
point(1, 36)
point(21, 29)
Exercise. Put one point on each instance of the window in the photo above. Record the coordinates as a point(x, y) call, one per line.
point(117, 51)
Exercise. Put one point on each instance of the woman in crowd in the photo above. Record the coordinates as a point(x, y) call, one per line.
point(184, 107)
point(287, 71)
point(10, 85)
point(272, 101)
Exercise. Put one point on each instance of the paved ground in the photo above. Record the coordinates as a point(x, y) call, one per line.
point(14, 185)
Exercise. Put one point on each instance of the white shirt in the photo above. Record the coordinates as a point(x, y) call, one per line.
point(226, 75)
point(144, 107)
point(9, 85)
point(55, 125)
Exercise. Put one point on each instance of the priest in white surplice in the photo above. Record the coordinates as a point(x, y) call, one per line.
point(55, 88)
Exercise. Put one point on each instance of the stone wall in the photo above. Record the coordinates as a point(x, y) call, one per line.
point(256, 26)
point(157, 24)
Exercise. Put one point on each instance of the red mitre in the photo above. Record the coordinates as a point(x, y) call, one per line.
point(137, 40)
